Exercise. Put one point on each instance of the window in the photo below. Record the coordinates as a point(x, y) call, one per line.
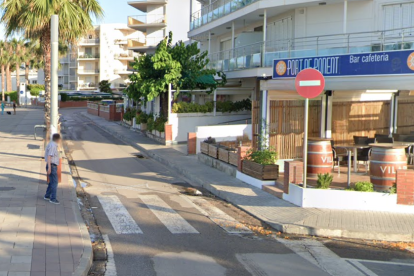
point(34, 81)
point(398, 16)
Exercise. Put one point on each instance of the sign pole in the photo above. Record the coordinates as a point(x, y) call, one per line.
point(305, 143)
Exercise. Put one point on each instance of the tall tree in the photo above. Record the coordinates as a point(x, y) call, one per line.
point(8, 51)
point(32, 19)
point(3, 61)
point(18, 56)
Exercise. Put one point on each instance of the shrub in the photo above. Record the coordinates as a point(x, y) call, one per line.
point(105, 86)
point(13, 96)
point(130, 113)
point(210, 140)
point(150, 122)
point(364, 186)
point(35, 89)
point(142, 118)
point(324, 181)
point(225, 107)
point(159, 124)
point(64, 97)
point(265, 156)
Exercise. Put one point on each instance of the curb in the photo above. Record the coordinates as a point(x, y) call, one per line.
point(86, 260)
point(285, 228)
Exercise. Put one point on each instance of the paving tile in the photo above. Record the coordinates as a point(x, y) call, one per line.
point(21, 259)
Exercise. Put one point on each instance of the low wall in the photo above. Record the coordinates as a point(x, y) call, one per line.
point(108, 112)
point(222, 133)
point(184, 123)
point(73, 104)
point(345, 200)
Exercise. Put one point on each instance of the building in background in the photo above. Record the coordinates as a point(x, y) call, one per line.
point(156, 19)
point(101, 55)
point(364, 48)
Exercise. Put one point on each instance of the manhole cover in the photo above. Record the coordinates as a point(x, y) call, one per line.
point(5, 189)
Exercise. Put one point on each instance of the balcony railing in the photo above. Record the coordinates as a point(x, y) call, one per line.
point(84, 71)
point(128, 54)
point(216, 10)
point(89, 56)
point(262, 54)
point(146, 19)
point(89, 41)
point(123, 71)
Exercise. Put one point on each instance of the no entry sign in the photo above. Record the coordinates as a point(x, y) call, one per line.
point(310, 83)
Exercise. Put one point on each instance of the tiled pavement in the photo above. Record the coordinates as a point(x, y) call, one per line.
point(280, 214)
point(36, 237)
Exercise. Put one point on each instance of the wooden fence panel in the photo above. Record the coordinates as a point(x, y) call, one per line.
point(405, 119)
point(255, 123)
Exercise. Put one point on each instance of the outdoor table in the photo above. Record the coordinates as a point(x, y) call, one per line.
point(352, 149)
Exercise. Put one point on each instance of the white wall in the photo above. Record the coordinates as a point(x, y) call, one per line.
point(221, 133)
point(37, 77)
point(178, 19)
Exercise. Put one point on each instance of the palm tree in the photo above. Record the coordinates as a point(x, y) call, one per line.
point(9, 64)
point(18, 46)
point(32, 19)
point(3, 60)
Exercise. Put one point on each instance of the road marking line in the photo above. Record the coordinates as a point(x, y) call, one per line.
point(118, 215)
point(310, 83)
point(315, 252)
point(379, 262)
point(228, 223)
point(362, 268)
point(170, 218)
point(110, 263)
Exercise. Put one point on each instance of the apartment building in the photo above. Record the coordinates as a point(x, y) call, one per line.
point(365, 49)
point(102, 54)
point(155, 19)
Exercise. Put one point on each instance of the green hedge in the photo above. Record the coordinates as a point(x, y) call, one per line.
point(35, 89)
point(225, 107)
point(14, 96)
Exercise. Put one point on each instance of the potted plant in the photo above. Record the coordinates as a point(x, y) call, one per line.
point(261, 164)
point(204, 145)
point(143, 120)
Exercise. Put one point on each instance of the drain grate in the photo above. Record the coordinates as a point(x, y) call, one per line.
point(140, 156)
point(5, 189)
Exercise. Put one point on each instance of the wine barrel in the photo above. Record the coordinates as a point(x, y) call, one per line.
point(320, 156)
point(384, 163)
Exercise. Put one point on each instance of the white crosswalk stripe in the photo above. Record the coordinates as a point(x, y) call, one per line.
point(118, 215)
point(228, 223)
point(170, 218)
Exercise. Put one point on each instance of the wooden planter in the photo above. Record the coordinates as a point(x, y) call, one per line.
point(262, 172)
point(143, 126)
point(233, 158)
point(204, 148)
point(213, 150)
point(223, 155)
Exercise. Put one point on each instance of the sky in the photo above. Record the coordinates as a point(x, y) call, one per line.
point(115, 11)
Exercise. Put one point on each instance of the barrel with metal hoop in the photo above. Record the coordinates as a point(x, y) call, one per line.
point(320, 156)
point(385, 160)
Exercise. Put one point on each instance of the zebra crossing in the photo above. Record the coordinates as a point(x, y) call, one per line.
point(123, 223)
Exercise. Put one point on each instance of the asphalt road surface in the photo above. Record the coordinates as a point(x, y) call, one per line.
point(151, 227)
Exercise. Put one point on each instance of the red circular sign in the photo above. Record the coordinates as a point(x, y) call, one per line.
point(310, 83)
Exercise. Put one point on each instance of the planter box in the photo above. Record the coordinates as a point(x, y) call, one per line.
point(223, 155)
point(143, 126)
point(213, 150)
point(233, 158)
point(162, 134)
point(263, 172)
point(204, 148)
point(128, 122)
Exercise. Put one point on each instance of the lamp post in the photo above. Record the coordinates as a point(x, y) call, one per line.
point(54, 35)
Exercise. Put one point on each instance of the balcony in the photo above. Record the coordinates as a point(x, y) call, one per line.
point(217, 10)
point(123, 71)
point(144, 45)
point(125, 56)
point(73, 79)
point(88, 72)
point(90, 41)
point(87, 86)
point(89, 56)
point(143, 5)
point(262, 54)
point(142, 22)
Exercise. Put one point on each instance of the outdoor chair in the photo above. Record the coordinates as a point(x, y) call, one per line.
point(364, 154)
point(338, 157)
point(360, 140)
point(385, 139)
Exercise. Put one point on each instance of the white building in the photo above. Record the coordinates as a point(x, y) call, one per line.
point(156, 19)
point(364, 48)
point(35, 77)
point(101, 55)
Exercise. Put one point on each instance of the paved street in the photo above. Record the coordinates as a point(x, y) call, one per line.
point(151, 227)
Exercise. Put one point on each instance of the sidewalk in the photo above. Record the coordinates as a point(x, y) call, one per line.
point(36, 237)
point(278, 213)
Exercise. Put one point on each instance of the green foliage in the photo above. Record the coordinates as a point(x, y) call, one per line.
point(324, 181)
point(142, 118)
point(64, 97)
point(150, 122)
point(182, 66)
point(265, 156)
point(159, 124)
point(13, 96)
point(364, 186)
point(225, 107)
point(130, 113)
point(393, 189)
point(35, 89)
point(105, 86)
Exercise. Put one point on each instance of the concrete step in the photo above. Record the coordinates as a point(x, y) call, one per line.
point(273, 190)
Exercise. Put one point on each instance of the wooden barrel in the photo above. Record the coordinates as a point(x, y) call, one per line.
point(384, 163)
point(320, 156)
